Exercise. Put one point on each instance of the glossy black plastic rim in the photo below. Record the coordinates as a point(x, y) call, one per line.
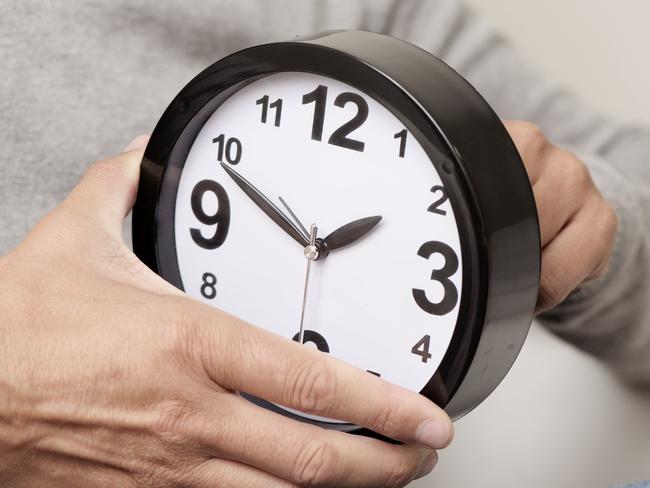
point(493, 202)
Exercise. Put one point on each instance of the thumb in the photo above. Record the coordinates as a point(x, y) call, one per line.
point(138, 144)
point(107, 191)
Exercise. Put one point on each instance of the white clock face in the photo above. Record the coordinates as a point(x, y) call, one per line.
point(387, 303)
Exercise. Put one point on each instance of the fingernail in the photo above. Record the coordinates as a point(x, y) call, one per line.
point(427, 466)
point(434, 433)
point(139, 142)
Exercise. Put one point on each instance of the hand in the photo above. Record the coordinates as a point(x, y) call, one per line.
point(268, 207)
point(577, 225)
point(109, 376)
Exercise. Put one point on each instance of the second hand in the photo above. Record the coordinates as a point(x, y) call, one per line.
point(311, 253)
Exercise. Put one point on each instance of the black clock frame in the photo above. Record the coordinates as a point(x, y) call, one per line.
point(480, 167)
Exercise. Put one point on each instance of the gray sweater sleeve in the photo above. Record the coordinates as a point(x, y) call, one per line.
point(608, 317)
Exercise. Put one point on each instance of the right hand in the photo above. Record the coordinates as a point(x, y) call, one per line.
point(109, 376)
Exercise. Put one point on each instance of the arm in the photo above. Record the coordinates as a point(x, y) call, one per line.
point(608, 316)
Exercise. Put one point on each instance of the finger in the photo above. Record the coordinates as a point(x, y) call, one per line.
point(284, 372)
point(138, 144)
point(302, 453)
point(532, 145)
point(107, 191)
point(560, 192)
point(577, 253)
point(223, 473)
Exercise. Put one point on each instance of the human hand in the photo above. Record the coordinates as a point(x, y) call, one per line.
point(577, 224)
point(109, 376)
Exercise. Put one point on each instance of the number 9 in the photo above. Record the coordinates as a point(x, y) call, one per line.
point(221, 219)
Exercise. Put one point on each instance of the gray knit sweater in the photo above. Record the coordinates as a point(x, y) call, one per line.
point(80, 79)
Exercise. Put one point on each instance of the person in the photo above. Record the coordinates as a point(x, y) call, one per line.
point(111, 377)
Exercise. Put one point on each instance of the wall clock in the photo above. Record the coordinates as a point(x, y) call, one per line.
point(352, 191)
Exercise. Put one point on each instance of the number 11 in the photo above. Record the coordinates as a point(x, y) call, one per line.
point(277, 106)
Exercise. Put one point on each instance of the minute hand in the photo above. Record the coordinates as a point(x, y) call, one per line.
point(267, 206)
point(349, 233)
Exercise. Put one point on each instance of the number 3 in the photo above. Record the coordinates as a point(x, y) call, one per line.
point(442, 275)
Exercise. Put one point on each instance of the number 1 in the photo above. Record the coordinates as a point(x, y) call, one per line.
point(402, 135)
point(319, 97)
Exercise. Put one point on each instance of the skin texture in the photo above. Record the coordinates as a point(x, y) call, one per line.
point(112, 377)
point(577, 224)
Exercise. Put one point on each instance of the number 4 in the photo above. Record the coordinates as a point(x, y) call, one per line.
point(421, 348)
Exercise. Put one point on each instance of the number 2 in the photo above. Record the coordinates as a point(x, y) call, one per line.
point(435, 206)
point(340, 136)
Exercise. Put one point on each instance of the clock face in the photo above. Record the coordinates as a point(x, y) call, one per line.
point(388, 303)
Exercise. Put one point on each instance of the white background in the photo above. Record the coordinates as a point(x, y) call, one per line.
point(560, 420)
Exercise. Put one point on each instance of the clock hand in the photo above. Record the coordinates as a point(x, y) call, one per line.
point(295, 217)
point(311, 253)
point(349, 233)
point(267, 206)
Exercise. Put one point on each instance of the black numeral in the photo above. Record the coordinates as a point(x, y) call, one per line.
point(319, 97)
point(435, 206)
point(315, 338)
point(340, 136)
point(442, 275)
point(209, 287)
point(421, 348)
point(277, 106)
point(230, 148)
point(221, 218)
point(402, 135)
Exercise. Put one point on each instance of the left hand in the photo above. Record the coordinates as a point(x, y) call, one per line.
point(577, 224)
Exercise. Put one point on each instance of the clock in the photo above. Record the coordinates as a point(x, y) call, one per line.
point(351, 192)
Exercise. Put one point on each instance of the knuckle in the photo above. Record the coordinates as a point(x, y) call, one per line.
point(576, 173)
point(171, 420)
point(401, 474)
point(609, 220)
point(184, 332)
point(314, 388)
point(317, 463)
point(528, 134)
point(386, 419)
point(150, 472)
point(553, 290)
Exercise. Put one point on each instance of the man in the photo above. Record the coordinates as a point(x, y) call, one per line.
point(111, 377)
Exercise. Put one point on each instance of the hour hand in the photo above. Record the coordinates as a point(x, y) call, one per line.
point(349, 233)
point(267, 206)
